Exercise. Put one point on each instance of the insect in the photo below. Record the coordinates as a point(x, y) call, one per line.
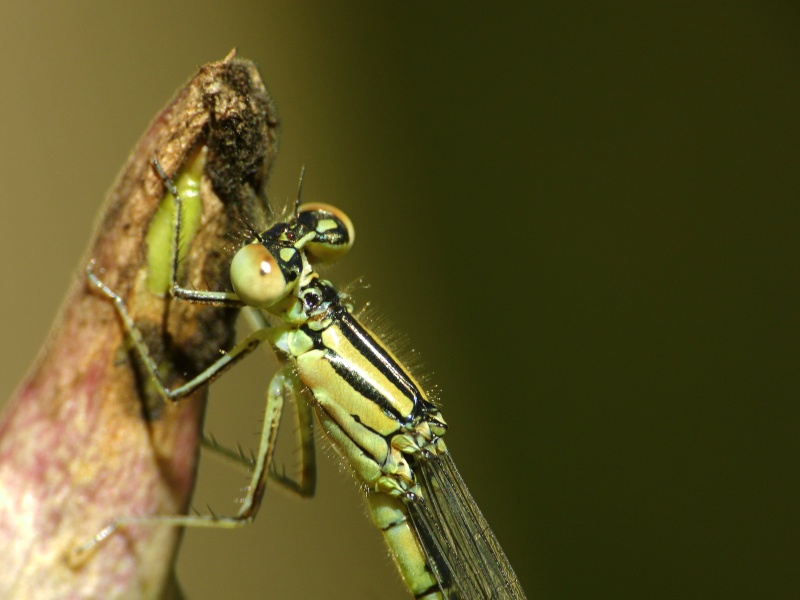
point(376, 414)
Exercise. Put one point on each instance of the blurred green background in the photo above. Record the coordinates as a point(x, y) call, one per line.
point(586, 220)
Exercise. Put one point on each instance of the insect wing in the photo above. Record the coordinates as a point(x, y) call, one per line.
point(464, 555)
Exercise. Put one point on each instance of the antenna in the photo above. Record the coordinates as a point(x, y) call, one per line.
point(299, 190)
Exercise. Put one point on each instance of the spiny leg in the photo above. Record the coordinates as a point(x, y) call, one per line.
point(217, 368)
point(250, 503)
point(230, 358)
point(238, 456)
point(305, 484)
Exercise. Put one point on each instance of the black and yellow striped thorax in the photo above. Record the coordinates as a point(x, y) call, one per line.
point(369, 403)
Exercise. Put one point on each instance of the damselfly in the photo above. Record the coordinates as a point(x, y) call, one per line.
point(376, 414)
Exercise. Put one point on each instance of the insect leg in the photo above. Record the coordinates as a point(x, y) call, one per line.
point(250, 503)
point(217, 368)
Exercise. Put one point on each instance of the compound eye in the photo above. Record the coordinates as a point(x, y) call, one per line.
point(334, 231)
point(256, 277)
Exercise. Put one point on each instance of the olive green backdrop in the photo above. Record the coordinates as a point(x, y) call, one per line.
point(585, 219)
